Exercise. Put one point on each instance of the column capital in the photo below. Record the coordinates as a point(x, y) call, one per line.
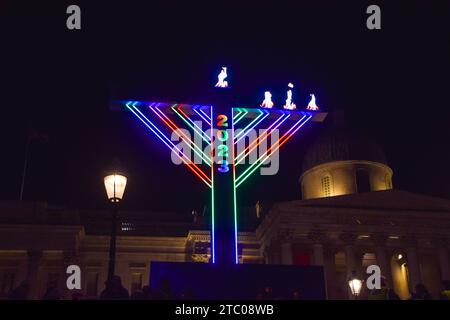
point(286, 234)
point(70, 256)
point(317, 236)
point(441, 243)
point(348, 238)
point(379, 239)
point(34, 255)
point(410, 240)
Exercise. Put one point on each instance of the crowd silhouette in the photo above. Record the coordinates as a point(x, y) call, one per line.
point(114, 290)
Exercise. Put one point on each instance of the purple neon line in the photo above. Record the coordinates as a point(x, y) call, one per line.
point(161, 136)
point(236, 253)
point(253, 126)
point(213, 232)
point(266, 155)
point(188, 160)
point(194, 124)
point(207, 117)
point(192, 145)
point(202, 116)
point(267, 130)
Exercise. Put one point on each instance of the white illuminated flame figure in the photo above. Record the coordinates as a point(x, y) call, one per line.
point(312, 103)
point(289, 104)
point(222, 83)
point(267, 102)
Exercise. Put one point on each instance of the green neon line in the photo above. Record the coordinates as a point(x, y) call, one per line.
point(243, 116)
point(212, 236)
point(238, 113)
point(254, 120)
point(259, 162)
point(200, 153)
point(193, 128)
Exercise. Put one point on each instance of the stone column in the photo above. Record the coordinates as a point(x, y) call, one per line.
point(413, 261)
point(286, 238)
point(349, 241)
point(69, 257)
point(318, 238)
point(34, 259)
point(383, 262)
point(442, 250)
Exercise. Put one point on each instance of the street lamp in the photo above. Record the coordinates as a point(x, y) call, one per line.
point(355, 285)
point(115, 184)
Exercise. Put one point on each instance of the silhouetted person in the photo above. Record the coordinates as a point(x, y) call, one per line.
point(147, 293)
point(445, 293)
point(296, 295)
point(20, 292)
point(187, 294)
point(421, 293)
point(114, 290)
point(137, 295)
point(165, 291)
point(268, 293)
point(52, 292)
point(384, 293)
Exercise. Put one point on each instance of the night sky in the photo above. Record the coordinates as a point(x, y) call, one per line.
point(393, 83)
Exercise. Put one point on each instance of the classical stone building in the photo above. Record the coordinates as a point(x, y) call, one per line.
point(350, 217)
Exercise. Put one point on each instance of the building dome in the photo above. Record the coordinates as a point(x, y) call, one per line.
point(339, 145)
point(343, 162)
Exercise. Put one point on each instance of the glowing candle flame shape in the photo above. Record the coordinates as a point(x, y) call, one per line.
point(222, 83)
point(267, 102)
point(312, 103)
point(289, 104)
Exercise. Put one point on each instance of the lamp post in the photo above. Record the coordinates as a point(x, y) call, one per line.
point(115, 184)
point(355, 285)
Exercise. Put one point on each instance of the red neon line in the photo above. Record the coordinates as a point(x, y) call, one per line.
point(187, 163)
point(260, 140)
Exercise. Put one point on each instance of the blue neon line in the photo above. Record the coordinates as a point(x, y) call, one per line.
point(253, 126)
point(213, 232)
point(278, 123)
point(161, 136)
point(236, 253)
point(195, 125)
point(244, 175)
point(202, 116)
point(207, 117)
point(190, 143)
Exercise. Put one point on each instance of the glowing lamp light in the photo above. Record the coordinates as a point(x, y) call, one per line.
point(312, 103)
point(267, 102)
point(355, 285)
point(222, 83)
point(115, 186)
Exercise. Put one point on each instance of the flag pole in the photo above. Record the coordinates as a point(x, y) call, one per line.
point(25, 164)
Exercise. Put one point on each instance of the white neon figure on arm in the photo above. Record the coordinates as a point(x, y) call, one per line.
point(312, 103)
point(222, 83)
point(267, 102)
point(289, 104)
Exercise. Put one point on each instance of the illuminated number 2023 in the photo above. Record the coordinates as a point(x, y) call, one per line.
point(222, 136)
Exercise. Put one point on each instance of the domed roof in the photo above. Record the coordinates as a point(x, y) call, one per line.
point(338, 145)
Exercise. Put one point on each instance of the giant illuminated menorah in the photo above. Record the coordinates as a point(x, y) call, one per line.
point(222, 175)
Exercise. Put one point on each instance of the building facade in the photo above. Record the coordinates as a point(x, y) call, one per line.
point(350, 217)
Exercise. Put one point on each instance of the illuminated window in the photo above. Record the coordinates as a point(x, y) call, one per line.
point(92, 284)
point(326, 185)
point(136, 282)
point(127, 226)
point(388, 182)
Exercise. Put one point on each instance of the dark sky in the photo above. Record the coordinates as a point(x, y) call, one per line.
point(393, 84)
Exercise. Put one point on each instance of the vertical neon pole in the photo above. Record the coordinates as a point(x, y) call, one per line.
point(236, 243)
point(213, 231)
